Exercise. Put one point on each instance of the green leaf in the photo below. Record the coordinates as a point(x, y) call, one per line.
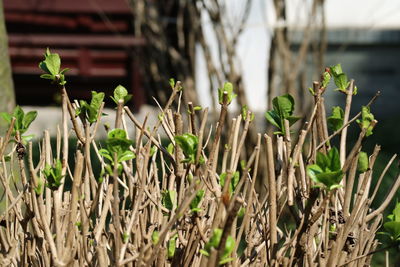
point(51, 66)
point(241, 212)
point(188, 142)
point(355, 90)
point(196, 201)
point(334, 159)
point(313, 170)
point(172, 83)
point(22, 120)
point(326, 77)
point(127, 155)
point(58, 168)
point(39, 188)
point(90, 112)
point(327, 170)
point(105, 154)
point(155, 237)
point(28, 119)
point(340, 79)
point(336, 70)
point(172, 246)
point(228, 87)
point(170, 148)
point(322, 161)
point(51, 63)
point(335, 121)
point(47, 76)
point(214, 240)
point(366, 120)
point(53, 175)
point(204, 252)
point(292, 120)
point(125, 237)
point(117, 133)
point(329, 162)
point(244, 112)
point(330, 179)
point(395, 216)
point(229, 247)
point(27, 138)
point(61, 80)
point(64, 70)
point(341, 82)
point(19, 116)
point(97, 100)
point(283, 107)
point(234, 181)
point(120, 93)
point(225, 260)
point(273, 118)
point(169, 199)
point(127, 98)
point(393, 228)
point(214, 243)
point(7, 117)
point(117, 142)
point(363, 163)
point(109, 169)
point(153, 150)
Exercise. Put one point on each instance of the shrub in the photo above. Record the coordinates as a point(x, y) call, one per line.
point(199, 200)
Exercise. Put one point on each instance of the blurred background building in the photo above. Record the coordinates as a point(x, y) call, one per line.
point(95, 39)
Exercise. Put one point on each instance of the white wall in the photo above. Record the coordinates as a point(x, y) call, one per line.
point(252, 49)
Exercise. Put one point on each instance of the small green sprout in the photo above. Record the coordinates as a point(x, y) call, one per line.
point(363, 163)
point(120, 93)
point(90, 111)
point(39, 188)
point(367, 120)
point(194, 205)
point(172, 83)
point(327, 170)
point(326, 78)
point(79, 225)
point(170, 148)
point(196, 108)
point(214, 243)
point(228, 88)
point(53, 175)
point(234, 181)
point(335, 121)
point(188, 142)
point(22, 121)
point(392, 227)
point(117, 143)
point(125, 237)
point(169, 199)
point(283, 107)
point(155, 237)
point(153, 150)
point(51, 66)
point(244, 113)
point(172, 246)
point(340, 79)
